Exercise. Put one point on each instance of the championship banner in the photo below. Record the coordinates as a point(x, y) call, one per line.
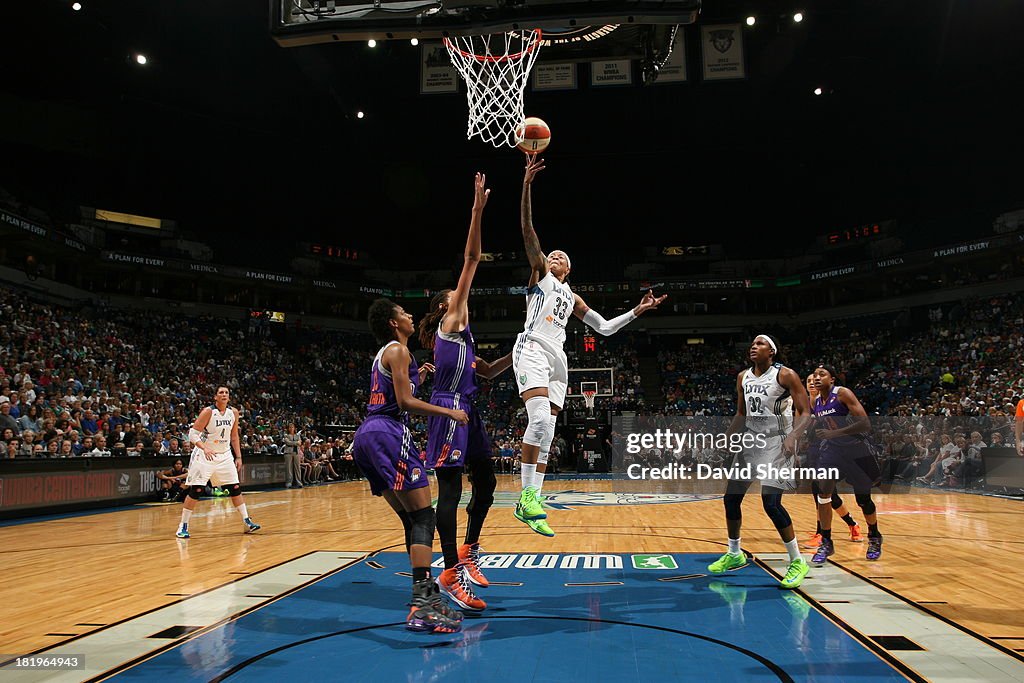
point(554, 76)
point(613, 72)
point(674, 70)
point(437, 73)
point(722, 51)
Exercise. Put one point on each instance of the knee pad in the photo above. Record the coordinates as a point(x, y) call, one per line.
point(865, 503)
point(538, 412)
point(733, 501)
point(772, 503)
point(549, 436)
point(423, 521)
point(837, 500)
point(196, 492)
point(234, 490)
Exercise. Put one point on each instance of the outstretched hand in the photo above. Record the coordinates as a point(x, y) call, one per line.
point(649, 301)
point(533, 167)
point(480, 192)
point(426, 368)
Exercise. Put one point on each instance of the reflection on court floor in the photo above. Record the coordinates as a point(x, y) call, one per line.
point(643, 617)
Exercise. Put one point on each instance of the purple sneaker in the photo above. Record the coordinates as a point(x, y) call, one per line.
point(874, 547)
point(826, 550)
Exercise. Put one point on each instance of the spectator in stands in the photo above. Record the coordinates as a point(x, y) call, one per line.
point(6, 421)
point(30, 420)
point(65, 450)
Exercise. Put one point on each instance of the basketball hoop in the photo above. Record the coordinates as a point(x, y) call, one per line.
point(588, 398)
point(495, 68)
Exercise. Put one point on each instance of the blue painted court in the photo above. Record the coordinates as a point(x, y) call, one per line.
point(554, 617)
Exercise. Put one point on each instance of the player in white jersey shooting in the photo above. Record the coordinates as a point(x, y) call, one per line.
point(214, 437)
point(538, 359)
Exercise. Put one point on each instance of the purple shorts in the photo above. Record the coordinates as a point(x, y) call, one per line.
point(384, 452)
point(450, 444)
point(855, 464)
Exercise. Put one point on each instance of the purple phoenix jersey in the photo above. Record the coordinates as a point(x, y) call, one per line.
point(383, 447)
point(831, 413)
point(455, 363)
point(382, 389)
point(450, 444)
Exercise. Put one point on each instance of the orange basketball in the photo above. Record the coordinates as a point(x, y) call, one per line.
point(536, 135)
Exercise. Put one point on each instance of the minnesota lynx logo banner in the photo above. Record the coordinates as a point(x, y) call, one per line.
point(722, 51)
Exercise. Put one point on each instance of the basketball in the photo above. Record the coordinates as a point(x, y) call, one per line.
point(536, 135)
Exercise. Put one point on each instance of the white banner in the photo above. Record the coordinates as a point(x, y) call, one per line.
point(554, 76)
point(437, 74)
point(674, 70)
point(722, 49)
point(617, 72)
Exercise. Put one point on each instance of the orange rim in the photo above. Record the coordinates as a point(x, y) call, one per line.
point(489, 58)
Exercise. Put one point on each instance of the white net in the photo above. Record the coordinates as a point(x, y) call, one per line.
point(495, 68)
point(588, 398)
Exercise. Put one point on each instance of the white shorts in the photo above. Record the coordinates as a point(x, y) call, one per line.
point(220, 471)
point(538, 363)
point(772, 455)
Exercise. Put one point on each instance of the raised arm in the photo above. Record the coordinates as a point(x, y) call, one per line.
point(490, 370)
point(457, 317)
point(608, 327)
point(535, 255)
point(396, 360)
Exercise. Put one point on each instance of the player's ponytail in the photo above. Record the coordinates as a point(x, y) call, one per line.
point(429, 322)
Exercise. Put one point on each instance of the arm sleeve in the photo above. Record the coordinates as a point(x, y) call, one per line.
point(194, 436)
point(607, 327)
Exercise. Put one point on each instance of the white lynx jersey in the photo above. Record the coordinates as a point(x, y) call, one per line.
point(768, 404)
point(218, 430)
point(549, 305)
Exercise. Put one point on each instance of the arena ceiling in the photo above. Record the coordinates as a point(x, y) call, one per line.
point(252, 146)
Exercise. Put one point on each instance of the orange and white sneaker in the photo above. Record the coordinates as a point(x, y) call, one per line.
point(813, 542)
point(855, 535)
point(469, 556)
point(455, 584)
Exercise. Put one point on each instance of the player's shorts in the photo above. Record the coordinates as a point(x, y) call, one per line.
point(385, 454)
point(766, 462)
point(539, 363)
point(220, 471)
point(855, 463)
point(450, 444)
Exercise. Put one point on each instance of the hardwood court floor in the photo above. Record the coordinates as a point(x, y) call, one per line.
point(956, 554)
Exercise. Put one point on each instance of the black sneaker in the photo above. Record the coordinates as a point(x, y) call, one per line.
point(429, 612)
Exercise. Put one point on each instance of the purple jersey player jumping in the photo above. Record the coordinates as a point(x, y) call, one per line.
point(841, 426)
point(384, 451)
point(454, 447)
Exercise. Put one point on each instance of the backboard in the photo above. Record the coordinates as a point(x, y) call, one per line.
point(304, 22)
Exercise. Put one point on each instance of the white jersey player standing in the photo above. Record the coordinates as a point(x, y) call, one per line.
point(538, 358)
point(214, 437)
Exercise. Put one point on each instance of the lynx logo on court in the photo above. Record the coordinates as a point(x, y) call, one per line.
point(569, 500)
point(654, 562)
point(722, 39)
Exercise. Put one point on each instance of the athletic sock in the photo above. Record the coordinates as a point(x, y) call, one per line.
point(734, 546)
point(186, 514)
point(873, 531)
point(826, 533)
point(538, 480)
point(420, 573)
point(528, 473)
point(850, 521)
point(793, 548)
point(242, 511)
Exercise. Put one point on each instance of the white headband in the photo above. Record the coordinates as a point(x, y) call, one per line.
point(568, 263)
point(768, 339)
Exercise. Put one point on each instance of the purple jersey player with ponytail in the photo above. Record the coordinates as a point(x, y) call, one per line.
point(453, 447)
